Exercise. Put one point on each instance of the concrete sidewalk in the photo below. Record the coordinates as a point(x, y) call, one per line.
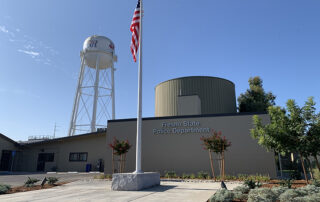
point(100, 190)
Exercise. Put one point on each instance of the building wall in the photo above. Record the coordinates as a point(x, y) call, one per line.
point(216, 95)
point(184, 153)
point(94, 144)
point(5, 144)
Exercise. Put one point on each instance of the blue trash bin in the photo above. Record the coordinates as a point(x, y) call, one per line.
point(88, 167)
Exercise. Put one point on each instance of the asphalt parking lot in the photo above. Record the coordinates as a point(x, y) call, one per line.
point(18, 179)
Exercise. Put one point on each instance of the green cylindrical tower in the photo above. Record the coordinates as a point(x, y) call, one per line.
point(195, 95)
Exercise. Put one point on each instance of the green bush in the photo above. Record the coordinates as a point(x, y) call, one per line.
point(286, 183)
point(52, 180)
point(302, 193)
point(242, 189)
point(186, 176)
point(316, 183)
point(307, 198)
point(316, 174)
point(192, 176)
point(222, 195)
point(289, 195)
point(230, 177)
point(203, 175)
point(278, 190)
point(242, 177)
point(4, 188)
point(30, 182)
point(261, 195)
point(252, 184)
point(240, 196)
point(170, 174)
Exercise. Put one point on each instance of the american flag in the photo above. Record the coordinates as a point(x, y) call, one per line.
point(134, 28)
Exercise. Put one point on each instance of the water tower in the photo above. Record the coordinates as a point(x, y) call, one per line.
point(94, 100)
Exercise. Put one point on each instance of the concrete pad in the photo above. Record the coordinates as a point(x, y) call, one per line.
point(134, 181)
point(100, 190)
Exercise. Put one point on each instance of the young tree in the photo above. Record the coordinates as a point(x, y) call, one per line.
point(255, 99)
point(312, 139)
point(119, 148)
point(296, 130)
point(217, 144)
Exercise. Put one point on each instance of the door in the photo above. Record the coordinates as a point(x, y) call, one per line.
point(42, 159)
point(6, 160)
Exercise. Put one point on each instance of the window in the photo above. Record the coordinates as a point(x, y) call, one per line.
point(78, 156)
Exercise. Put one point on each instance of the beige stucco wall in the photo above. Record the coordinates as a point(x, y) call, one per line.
point(184, 153)
point(94, 144)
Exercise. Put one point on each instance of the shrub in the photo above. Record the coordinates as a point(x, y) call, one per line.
point(52, 180)
point(252, 184)
point(261, 195)
point(230, 177)
point(316, 183)
point(242, 189)
point(170, 174)
point(278, 191)
point(222, 195)
point(203, 175)
point(4, 188)
point(186, 176)
point(192, 176)
point(30, 182)
point(316, 174)
point(242, 177)
point(240, 196)
point(241, 192)
point(301, 194)
point(290, 194)
point(286, 183)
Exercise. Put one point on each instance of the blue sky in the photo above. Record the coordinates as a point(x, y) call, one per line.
point(40, 42)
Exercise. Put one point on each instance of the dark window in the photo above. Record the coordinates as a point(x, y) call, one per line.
point(78, 156)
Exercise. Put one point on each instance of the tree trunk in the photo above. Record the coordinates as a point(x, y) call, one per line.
point(211, 164)
point(121, 157)
point(317, 162)
point(304, 170)
point(310, 168)
point(124, 162)
point(112, 162)
point(223, 165)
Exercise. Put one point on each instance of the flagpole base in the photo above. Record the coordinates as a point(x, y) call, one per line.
point(134, 181)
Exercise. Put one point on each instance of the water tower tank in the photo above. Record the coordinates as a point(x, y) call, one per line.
point(98, 46)
point(195, 95)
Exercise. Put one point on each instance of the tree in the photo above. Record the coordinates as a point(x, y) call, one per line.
point(293, 130)
point(217, 144)
point(119, 148)
point(312, 138)
point(255, 99)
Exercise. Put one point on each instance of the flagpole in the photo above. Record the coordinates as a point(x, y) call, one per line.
point(139, 115)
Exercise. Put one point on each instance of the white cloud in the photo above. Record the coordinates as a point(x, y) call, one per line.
point(28, 46)
point(31, 53)
point(19, 92)
point(3, 29)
